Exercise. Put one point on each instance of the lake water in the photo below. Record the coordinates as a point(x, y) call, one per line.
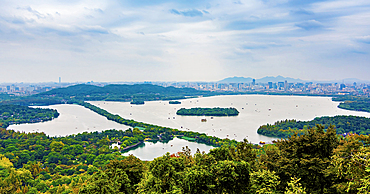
point(151, 150)
point(73, 119)
point(255, 110)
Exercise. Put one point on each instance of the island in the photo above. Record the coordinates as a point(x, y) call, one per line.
point(137, 102)
point(16, 114)
point(208, 111)
point(174, 102)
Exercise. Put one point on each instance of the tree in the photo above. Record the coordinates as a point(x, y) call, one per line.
point(349, 163)
point(294, 187)
point(305, 157)
point(56, 146)
point(264, 181)
point(133, 168)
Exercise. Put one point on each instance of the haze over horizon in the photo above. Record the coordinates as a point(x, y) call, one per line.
point(108, 41)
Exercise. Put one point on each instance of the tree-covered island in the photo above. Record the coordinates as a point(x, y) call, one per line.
point(208, 112)
point(174, 102)
point(344, 125)
point(15, 114)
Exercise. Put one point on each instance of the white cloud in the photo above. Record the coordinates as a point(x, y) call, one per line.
point(192, 40)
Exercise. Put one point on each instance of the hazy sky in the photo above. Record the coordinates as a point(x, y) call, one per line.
point(183, 40)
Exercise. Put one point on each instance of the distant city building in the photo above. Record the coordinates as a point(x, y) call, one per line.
point(270, 85)
point(342, 86)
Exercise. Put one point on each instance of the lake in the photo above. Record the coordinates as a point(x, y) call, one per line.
point(73, 119)
point(151, 150)
point(255, 110)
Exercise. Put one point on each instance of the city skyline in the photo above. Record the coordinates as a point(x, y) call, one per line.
point(109, 41)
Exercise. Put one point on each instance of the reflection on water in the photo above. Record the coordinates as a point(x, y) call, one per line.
point(255, 110)
point(151, 150)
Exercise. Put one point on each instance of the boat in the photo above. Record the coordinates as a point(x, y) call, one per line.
point(262, 142)
point(203, 120)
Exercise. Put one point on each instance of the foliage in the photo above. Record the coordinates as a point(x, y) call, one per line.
point(15, 114)
point(294, 187)
point(264, 181)
point(174, 102)
point(357, 103)
point(305, 157)
point(344, 125)
point(208, 112)
point(318, 161)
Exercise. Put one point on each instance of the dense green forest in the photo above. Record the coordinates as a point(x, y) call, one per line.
point(344, 124)
point(122, 92)
point(15, 114)
point(208, 112)
point(114, 92)
point(314, 162)
point(357, 103)
point(174, 102)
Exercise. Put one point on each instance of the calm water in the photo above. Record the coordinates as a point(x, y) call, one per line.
point(73, 119)
point(255, 110)
point(153, 150)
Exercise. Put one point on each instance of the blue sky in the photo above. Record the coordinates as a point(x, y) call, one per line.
point(186, 40)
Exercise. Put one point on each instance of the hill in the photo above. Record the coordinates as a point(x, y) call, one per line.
point(121, 92)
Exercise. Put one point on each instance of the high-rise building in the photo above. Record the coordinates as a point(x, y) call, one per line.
point(253, 82)
point(342, 86)
point(60, 80)
point(270, 85)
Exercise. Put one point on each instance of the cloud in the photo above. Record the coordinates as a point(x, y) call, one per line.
point(301, 11)
point(188, 13)
point(258, 38)
point(310, 25)
point(364, 39)
point(257, 45)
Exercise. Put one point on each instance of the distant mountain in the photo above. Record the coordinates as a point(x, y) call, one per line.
point(262, 80)
point(278, 78)
point(236, 80)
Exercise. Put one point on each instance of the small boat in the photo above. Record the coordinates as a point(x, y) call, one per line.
point(262, 142)
point(203, 120)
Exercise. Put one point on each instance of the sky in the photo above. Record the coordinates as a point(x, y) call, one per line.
point(183, 40)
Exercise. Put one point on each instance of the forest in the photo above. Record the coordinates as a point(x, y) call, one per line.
point(318, 161)
point(174, 102)
point(15, 114)
point(122, 92)
point(344, 125)
point(208, 112)
point(114, 92)
point(356, 103)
